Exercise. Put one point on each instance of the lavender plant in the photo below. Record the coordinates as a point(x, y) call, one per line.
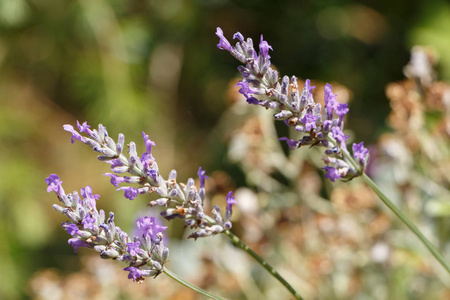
point(261, 85)
point(135, 175)
point(146, 253)
point(320, 127)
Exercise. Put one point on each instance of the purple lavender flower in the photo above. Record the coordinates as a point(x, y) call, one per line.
point(320, 127)
point(77, 243)
point(89, 222)
point(230, 201)
point(201, 175)
point(341, 109)
point(223, 44)
point(149, 227)
point(72, 229)
point(88, 229)
point(84, 127)
point(129, 192)
point(308, 87)
point(136, 274)
point(331, 173)
point(360, 153)
point(246, 89)
point(182, 201)
point(291, 143)
point(115, 180)
point(54, 184)
point(264, 48)
point(148, 143)
point(310, 121)
point(339, 135)
point(87, 193)
point(133, 248)
point(237, 35)
point(330, 101)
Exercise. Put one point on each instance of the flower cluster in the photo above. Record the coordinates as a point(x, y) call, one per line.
point(145, 253)
point(184, 201)
point(320, 127)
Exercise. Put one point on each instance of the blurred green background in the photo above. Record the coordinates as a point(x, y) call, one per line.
point(154, 66)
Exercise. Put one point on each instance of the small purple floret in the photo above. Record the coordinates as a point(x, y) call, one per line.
point(359, 152)
point(238, 36)
point(201, 174)
point(133, 248)
point(245, 89)
point(291, 143)
point(84, 128)
point(339, 135)
point(54, 184)
point(331, 173)
point(135, 273)
point(75, 134)
point(148, 143)
point(72, 229)
point(129, 192)
point(230, 201)
point(77, 243)
point(310, 121)
point(89, 222)
point(330, 100)
point(115, 180)
point(309, 87)
point(264, 48)
point(223, 44)
point(149, 227)
point(87, 194)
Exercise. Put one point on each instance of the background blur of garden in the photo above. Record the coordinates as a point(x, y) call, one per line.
point(153, 66)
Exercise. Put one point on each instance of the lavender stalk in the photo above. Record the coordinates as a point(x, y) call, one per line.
point(261, 85)
point(145, 253)
point(180, 200)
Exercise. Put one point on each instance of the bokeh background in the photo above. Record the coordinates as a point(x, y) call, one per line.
point(153, 66)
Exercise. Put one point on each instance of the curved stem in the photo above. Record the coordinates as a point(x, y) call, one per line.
point(400, 215)
point(407, 222)
point(262, 262)
point(190, 285)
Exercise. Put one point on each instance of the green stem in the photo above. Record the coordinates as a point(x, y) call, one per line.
point(262, 262)
point(399, 213)
point(407, 222)
point(191, 286)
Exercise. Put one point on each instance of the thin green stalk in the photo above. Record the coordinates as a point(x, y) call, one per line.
point(407, 222)
point(400, 214)
point(262, 262)
point(191, 286)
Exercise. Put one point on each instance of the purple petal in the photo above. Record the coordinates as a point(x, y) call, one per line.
point(264, 48)
point(331, 173)
point(129, 192)
point(54, 184)
point(291, 143)
point(149, 227)
point(202, 176)
point(223, 44)
point(136, 274)
point(238, 36)
point(77, 243)
point(72, 229)
point(360, 152)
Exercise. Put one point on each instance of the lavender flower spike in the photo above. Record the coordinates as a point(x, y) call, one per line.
point(146, 255)
point(319, 127)
point(183, 201)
